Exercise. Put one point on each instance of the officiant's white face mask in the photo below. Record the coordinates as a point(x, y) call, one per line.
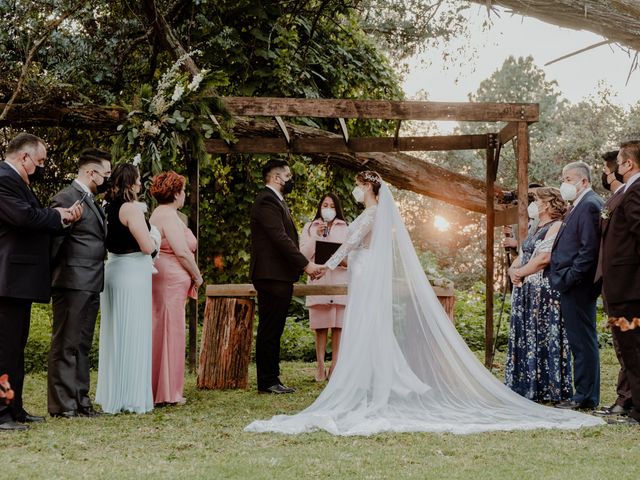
point(328, 214)
point(358, 194)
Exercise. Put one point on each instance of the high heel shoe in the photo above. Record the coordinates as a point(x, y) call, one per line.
point(323, 378)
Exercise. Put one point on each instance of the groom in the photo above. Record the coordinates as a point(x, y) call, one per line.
point(276, 263)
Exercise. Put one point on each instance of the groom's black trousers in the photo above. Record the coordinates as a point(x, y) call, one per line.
point(274, 298)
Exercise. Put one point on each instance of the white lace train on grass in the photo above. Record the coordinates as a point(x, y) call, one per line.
point(403, 366)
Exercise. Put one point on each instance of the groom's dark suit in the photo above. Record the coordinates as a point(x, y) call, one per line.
point(77, 280)
point(25, 229)
point(276, 263)
point(574, 260)
point(621, 283)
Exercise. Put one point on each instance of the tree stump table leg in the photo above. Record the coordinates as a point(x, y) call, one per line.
point(225, 348)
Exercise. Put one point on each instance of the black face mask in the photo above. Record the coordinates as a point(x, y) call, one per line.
point(104, 186)
point(37, 175)
point(605, 182)
point(619, 176)
point(288, 186)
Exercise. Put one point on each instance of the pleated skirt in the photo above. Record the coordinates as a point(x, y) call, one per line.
point(124, 363)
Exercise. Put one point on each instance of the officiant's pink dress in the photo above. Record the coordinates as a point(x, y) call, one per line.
point(170, 289)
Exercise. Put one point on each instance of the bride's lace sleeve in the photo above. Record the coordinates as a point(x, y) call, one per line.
point(358, 230)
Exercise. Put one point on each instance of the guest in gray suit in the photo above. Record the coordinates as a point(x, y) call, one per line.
point(77, 280)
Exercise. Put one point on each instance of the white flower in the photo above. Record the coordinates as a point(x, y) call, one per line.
point(150, 128)
point(195, 83)
point(177, 93)
point(137, 159)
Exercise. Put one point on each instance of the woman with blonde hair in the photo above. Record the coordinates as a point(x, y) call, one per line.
point(539, 359)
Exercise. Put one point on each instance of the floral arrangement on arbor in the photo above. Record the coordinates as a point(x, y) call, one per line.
point(174, 118)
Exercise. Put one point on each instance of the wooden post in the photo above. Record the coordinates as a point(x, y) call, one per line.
point(225, 349)
point(193, 172)
point(489, 263)
point(523, 180)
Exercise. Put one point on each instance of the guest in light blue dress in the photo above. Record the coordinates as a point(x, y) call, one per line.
point(539, 360)
point(124, 369)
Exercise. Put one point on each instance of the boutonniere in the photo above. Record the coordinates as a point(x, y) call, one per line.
point(605, 214)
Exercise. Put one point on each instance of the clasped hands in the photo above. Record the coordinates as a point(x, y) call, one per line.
point(71, 214)
point(315, 271)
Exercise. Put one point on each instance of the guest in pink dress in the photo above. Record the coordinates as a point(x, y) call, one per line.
point(326, 311)
point(178, 277)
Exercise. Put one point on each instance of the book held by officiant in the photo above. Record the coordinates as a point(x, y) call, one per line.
point(324, 250)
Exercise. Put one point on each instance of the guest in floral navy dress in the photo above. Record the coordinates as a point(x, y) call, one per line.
point(539, 359)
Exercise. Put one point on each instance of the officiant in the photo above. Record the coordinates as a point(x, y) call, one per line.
point(318, 240)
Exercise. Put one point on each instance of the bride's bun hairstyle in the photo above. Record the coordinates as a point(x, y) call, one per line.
point(551, 195)
point(372, 177)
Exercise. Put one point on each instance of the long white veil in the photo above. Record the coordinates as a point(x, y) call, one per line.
point(403, 366)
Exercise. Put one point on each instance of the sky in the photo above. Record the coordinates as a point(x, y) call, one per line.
point(577, 76)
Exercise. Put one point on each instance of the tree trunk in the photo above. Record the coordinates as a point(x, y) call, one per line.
point(225, 349)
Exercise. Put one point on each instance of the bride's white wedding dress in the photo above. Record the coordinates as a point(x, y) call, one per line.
point(403, 366)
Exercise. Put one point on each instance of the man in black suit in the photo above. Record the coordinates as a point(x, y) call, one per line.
point(77, 280)
point(621, 271)
point(613, 181)
point(276, 263)
point(25, 229)
point(574, 260)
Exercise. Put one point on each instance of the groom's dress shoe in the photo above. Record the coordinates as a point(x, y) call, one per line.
point(67, 414)
point(572, 405)
point(27, 418)
point(88, 412)
point(10, 425)
point(278, 388)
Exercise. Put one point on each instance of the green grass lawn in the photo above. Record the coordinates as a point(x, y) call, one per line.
point(204, 439)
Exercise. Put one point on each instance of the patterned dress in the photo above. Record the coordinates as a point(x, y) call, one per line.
point(539, 358)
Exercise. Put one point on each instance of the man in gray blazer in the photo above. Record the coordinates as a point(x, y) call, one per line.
point(77, 280)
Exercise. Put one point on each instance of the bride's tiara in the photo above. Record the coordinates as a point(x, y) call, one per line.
point(369, 176)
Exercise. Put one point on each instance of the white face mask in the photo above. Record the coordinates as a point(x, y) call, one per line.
point(568, 191)
point(358, 194)
point(534, 212)
point(328, 214)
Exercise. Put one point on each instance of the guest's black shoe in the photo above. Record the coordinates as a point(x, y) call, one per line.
point(622, 421)
point(88, 412)
point(278, 388)
point(614, 409)
point(572, 405)
point(67, 414)
point(10, 425)
point(27, 418)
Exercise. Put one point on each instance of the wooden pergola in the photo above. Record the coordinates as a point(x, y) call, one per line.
point(373, 152)
point(260, 127)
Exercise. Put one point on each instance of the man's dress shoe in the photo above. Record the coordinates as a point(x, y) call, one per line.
point(614, 409)
point(88, 412)
point(572, 405)
point(10, 425)
point(278, 388)
point(67, 414)
point(27, 418)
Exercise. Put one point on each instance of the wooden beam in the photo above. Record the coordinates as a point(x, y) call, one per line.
point(283, 129)
point(299, 290)
point(523, 180)
point(489, 263)
point(86, 117)
point(353, 145)
point(507, 216)
point(381, 109)
point(509, 131)
point(344, 130)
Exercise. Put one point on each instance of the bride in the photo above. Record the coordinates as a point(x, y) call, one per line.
point(403, 366)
